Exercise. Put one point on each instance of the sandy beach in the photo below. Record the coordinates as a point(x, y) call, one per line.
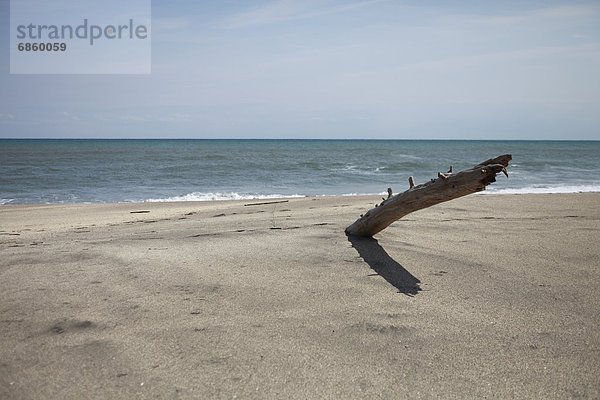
point(489, 296)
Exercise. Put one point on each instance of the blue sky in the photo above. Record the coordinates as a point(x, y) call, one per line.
point(333, 69)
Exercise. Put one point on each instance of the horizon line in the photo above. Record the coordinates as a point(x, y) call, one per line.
point(298, 139)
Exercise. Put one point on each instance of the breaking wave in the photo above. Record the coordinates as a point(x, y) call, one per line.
point(200, 196)
point(545, 189)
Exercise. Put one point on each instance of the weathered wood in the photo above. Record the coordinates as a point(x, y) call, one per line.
point(448, 186)
point(265, 202)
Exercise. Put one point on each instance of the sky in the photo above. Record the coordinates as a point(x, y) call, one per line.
point(381, 69)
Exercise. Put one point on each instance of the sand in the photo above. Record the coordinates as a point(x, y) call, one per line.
point(489, 296)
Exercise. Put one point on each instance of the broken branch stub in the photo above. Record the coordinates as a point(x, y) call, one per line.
point(447, 186)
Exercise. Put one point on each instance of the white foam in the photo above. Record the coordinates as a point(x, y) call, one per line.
point(200, 196)
point(5, 201)
point(354, 170)
point(524, 190)
point(545, 189)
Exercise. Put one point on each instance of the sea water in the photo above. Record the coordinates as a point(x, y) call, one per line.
point(92, 171)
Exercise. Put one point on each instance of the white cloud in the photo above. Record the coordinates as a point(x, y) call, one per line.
point(6, 117)
point(568, 11)
point(70, 116)
point(133, 118)
point(542, 15)
point(149, 118)
point(288, 10)
point(515, 56)
point(176, 117)
point(163, 25)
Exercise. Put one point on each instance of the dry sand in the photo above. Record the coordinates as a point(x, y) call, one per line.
point(482, 297)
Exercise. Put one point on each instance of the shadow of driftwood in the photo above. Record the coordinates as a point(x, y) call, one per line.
point(384, 265)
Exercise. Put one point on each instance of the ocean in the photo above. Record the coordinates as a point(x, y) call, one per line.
point(102, 171)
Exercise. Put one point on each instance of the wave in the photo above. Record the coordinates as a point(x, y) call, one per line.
point(361, 170)
point(546, 189)
point(523, 190)
point(200, 196)
point(220, 196)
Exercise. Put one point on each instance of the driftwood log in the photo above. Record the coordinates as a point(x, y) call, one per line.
point(446, 187)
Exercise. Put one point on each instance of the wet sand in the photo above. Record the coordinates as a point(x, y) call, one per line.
point(481, 297)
